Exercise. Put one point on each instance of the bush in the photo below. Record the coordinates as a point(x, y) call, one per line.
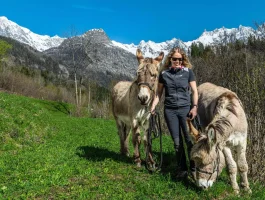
point(242, 70)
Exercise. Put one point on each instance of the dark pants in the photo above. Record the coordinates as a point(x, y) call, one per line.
point(176, 121)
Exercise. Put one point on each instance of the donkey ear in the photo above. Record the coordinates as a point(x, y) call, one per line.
point(159, 58)
point(157, 61)
point(193, 131)
point(139, 56)
point(211, 136)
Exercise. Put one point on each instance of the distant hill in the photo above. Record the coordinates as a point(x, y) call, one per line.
point(23, 55)
point(102, 62)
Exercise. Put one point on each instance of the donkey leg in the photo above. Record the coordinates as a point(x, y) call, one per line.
point(232, 168)
point(243, 166)
point(123, 131)
point(126, 140)
point(136, 139)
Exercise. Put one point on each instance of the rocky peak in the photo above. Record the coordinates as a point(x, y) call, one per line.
point(97, 36)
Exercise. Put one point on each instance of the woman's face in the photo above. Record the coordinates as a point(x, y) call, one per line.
point(176, 59)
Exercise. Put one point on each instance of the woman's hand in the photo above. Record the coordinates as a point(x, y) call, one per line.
point(153, 110)
point(193, 112)
point(159, 92)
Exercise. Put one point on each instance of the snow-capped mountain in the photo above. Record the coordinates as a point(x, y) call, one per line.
point(217, 36)
point(149, 48)
point(224, 35)
point(24, 35)
point(103, 60)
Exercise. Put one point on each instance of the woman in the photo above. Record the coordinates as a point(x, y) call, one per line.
point(177, 78)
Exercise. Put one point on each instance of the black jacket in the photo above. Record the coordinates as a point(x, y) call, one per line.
point(176, 84)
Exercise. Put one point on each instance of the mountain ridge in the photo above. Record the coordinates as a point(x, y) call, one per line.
point(10, 29)
point(101, 59)
point(149, 48)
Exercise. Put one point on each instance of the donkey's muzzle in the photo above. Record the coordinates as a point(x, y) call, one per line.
point(143, 99)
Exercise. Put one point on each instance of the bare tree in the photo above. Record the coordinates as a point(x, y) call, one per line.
point(77, 50)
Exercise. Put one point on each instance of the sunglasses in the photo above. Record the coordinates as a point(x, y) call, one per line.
point(175, 59)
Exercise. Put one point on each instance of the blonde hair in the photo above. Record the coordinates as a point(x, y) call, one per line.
point(185, 59)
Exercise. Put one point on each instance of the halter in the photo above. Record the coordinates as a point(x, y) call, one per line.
point(215, 164)
point(146, 84)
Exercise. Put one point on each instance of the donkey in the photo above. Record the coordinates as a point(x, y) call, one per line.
point(224, 131)
point(131, 103)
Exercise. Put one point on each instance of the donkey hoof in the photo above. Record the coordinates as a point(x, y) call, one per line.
point(248, 190)
point(138, 165)
point(236, 191)
point(125, 153)
point(152, 166)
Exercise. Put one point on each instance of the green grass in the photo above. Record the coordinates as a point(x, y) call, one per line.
point(46, 154)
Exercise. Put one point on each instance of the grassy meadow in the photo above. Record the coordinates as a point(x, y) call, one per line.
point(45, 153)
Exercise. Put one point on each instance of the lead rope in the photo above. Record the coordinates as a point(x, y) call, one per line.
point(154, 131)
point(197, 123)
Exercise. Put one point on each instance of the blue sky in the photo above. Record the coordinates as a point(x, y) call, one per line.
point(133, 21)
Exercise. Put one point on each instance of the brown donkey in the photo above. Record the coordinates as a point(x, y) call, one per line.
point(224, 131)
point(131, 103)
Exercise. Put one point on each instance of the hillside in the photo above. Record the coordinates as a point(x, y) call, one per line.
point(47, 154)
point(96, 61)
point(95, 58)
point(22, 55)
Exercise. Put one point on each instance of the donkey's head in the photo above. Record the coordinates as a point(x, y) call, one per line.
point(147, 76)
point(207, 155)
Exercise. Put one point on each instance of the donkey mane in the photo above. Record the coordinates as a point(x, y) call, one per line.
point(220, 124)
point(148, 62)
point(152, 68)
point(225, 101)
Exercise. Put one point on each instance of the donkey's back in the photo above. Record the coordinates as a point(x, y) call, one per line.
point(120, 99)
point(215, 99)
